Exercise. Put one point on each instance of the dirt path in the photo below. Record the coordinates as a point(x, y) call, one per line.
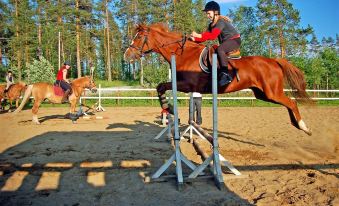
point(103, 162)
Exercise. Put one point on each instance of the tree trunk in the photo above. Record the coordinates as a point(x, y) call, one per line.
point(78, 38)
point(282, 43)
point(141, 73)
point(269, 46)
point(39, 33)
point(19, 55)
point(108, 46)
point(1, 64)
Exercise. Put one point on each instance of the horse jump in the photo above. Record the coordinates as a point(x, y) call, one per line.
point(178, 157)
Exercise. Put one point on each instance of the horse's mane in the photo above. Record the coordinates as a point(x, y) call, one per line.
point(78, 81)
point(22, 83)
point(163, 28)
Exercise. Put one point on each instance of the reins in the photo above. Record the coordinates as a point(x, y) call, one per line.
point(145, 42)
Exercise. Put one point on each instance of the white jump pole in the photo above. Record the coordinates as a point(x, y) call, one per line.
point(99, 107)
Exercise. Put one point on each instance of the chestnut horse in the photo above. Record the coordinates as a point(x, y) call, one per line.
point(41, 91)
point(264, 76)
point(14, 93)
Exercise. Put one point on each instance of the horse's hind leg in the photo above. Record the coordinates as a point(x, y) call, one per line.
point(293, 111)
point(291, 106)
point(35, 109)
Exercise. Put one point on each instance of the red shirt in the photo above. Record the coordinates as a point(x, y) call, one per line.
point(222, 30)
point(60, 75)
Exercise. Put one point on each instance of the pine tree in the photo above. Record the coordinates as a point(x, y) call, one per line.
point(314, 45)
point(246, 23)
point(280, 26)
point(23, 41)
point(4, 34)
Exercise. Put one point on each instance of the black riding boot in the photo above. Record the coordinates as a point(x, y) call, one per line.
point(224, 77)
point(6, 93)
point(65, 97)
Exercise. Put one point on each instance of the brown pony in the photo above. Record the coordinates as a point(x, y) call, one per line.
point(264, 76)
point(41, 91)
point(14, 93)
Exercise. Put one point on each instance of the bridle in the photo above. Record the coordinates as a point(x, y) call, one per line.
point(91, 83)
point(145, 42)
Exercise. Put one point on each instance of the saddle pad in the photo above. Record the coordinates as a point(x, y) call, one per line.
point(203, 61)
point(205, 58)
point(58, 91)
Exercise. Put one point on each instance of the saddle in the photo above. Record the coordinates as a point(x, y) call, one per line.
point(58, 91)
point(205, 59)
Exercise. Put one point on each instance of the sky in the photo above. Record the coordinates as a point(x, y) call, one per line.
point(322, 15)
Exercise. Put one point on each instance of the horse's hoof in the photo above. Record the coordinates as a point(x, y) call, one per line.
point(309, 132)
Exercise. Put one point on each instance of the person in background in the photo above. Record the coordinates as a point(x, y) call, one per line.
point(63, 82)
point(197, 101)
point(9, 81)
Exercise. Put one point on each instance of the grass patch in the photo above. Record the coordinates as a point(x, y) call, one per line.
point(116, 83)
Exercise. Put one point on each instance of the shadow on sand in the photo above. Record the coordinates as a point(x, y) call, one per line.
point(98, 168)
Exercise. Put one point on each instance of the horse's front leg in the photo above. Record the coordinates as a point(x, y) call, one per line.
point(17, 103)
point(72, 114)
point(163, 87)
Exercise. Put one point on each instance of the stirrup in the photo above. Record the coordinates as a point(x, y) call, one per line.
point(225, 79)
point(234, 54)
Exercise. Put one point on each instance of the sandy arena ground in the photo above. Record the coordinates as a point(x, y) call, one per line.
point(104, 161)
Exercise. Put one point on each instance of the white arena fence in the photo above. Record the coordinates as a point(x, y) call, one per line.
point(117, 93)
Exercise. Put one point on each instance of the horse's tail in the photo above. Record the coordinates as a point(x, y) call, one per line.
point(27, 95)
point(295, 79)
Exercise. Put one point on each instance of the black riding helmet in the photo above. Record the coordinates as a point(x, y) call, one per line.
point(212, 6)
point(67, 63)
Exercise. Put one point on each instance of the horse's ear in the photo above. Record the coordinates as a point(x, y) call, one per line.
point(142, 27)
point(139, 27)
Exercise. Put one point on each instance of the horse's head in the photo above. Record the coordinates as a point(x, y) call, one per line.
point(91, 84)
point(145, 41)
point(85, 82)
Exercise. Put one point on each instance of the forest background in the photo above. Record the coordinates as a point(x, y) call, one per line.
point(92, 32)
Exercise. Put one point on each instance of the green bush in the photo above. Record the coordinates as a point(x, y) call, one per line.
point(40, 71)
point(153, 75)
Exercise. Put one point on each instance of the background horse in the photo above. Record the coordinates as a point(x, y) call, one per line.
point(264, 76)
point(14, 93)
point(41, 91)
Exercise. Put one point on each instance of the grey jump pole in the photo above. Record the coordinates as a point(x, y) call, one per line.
point(217, 172)
point(178, 157)
point(193, 127)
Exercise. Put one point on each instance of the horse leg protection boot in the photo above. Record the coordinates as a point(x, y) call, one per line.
point(224, 77)
point(65, 97)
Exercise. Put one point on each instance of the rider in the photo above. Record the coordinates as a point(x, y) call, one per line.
point(9, 80)
point(228, 37)
point(63, 82)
